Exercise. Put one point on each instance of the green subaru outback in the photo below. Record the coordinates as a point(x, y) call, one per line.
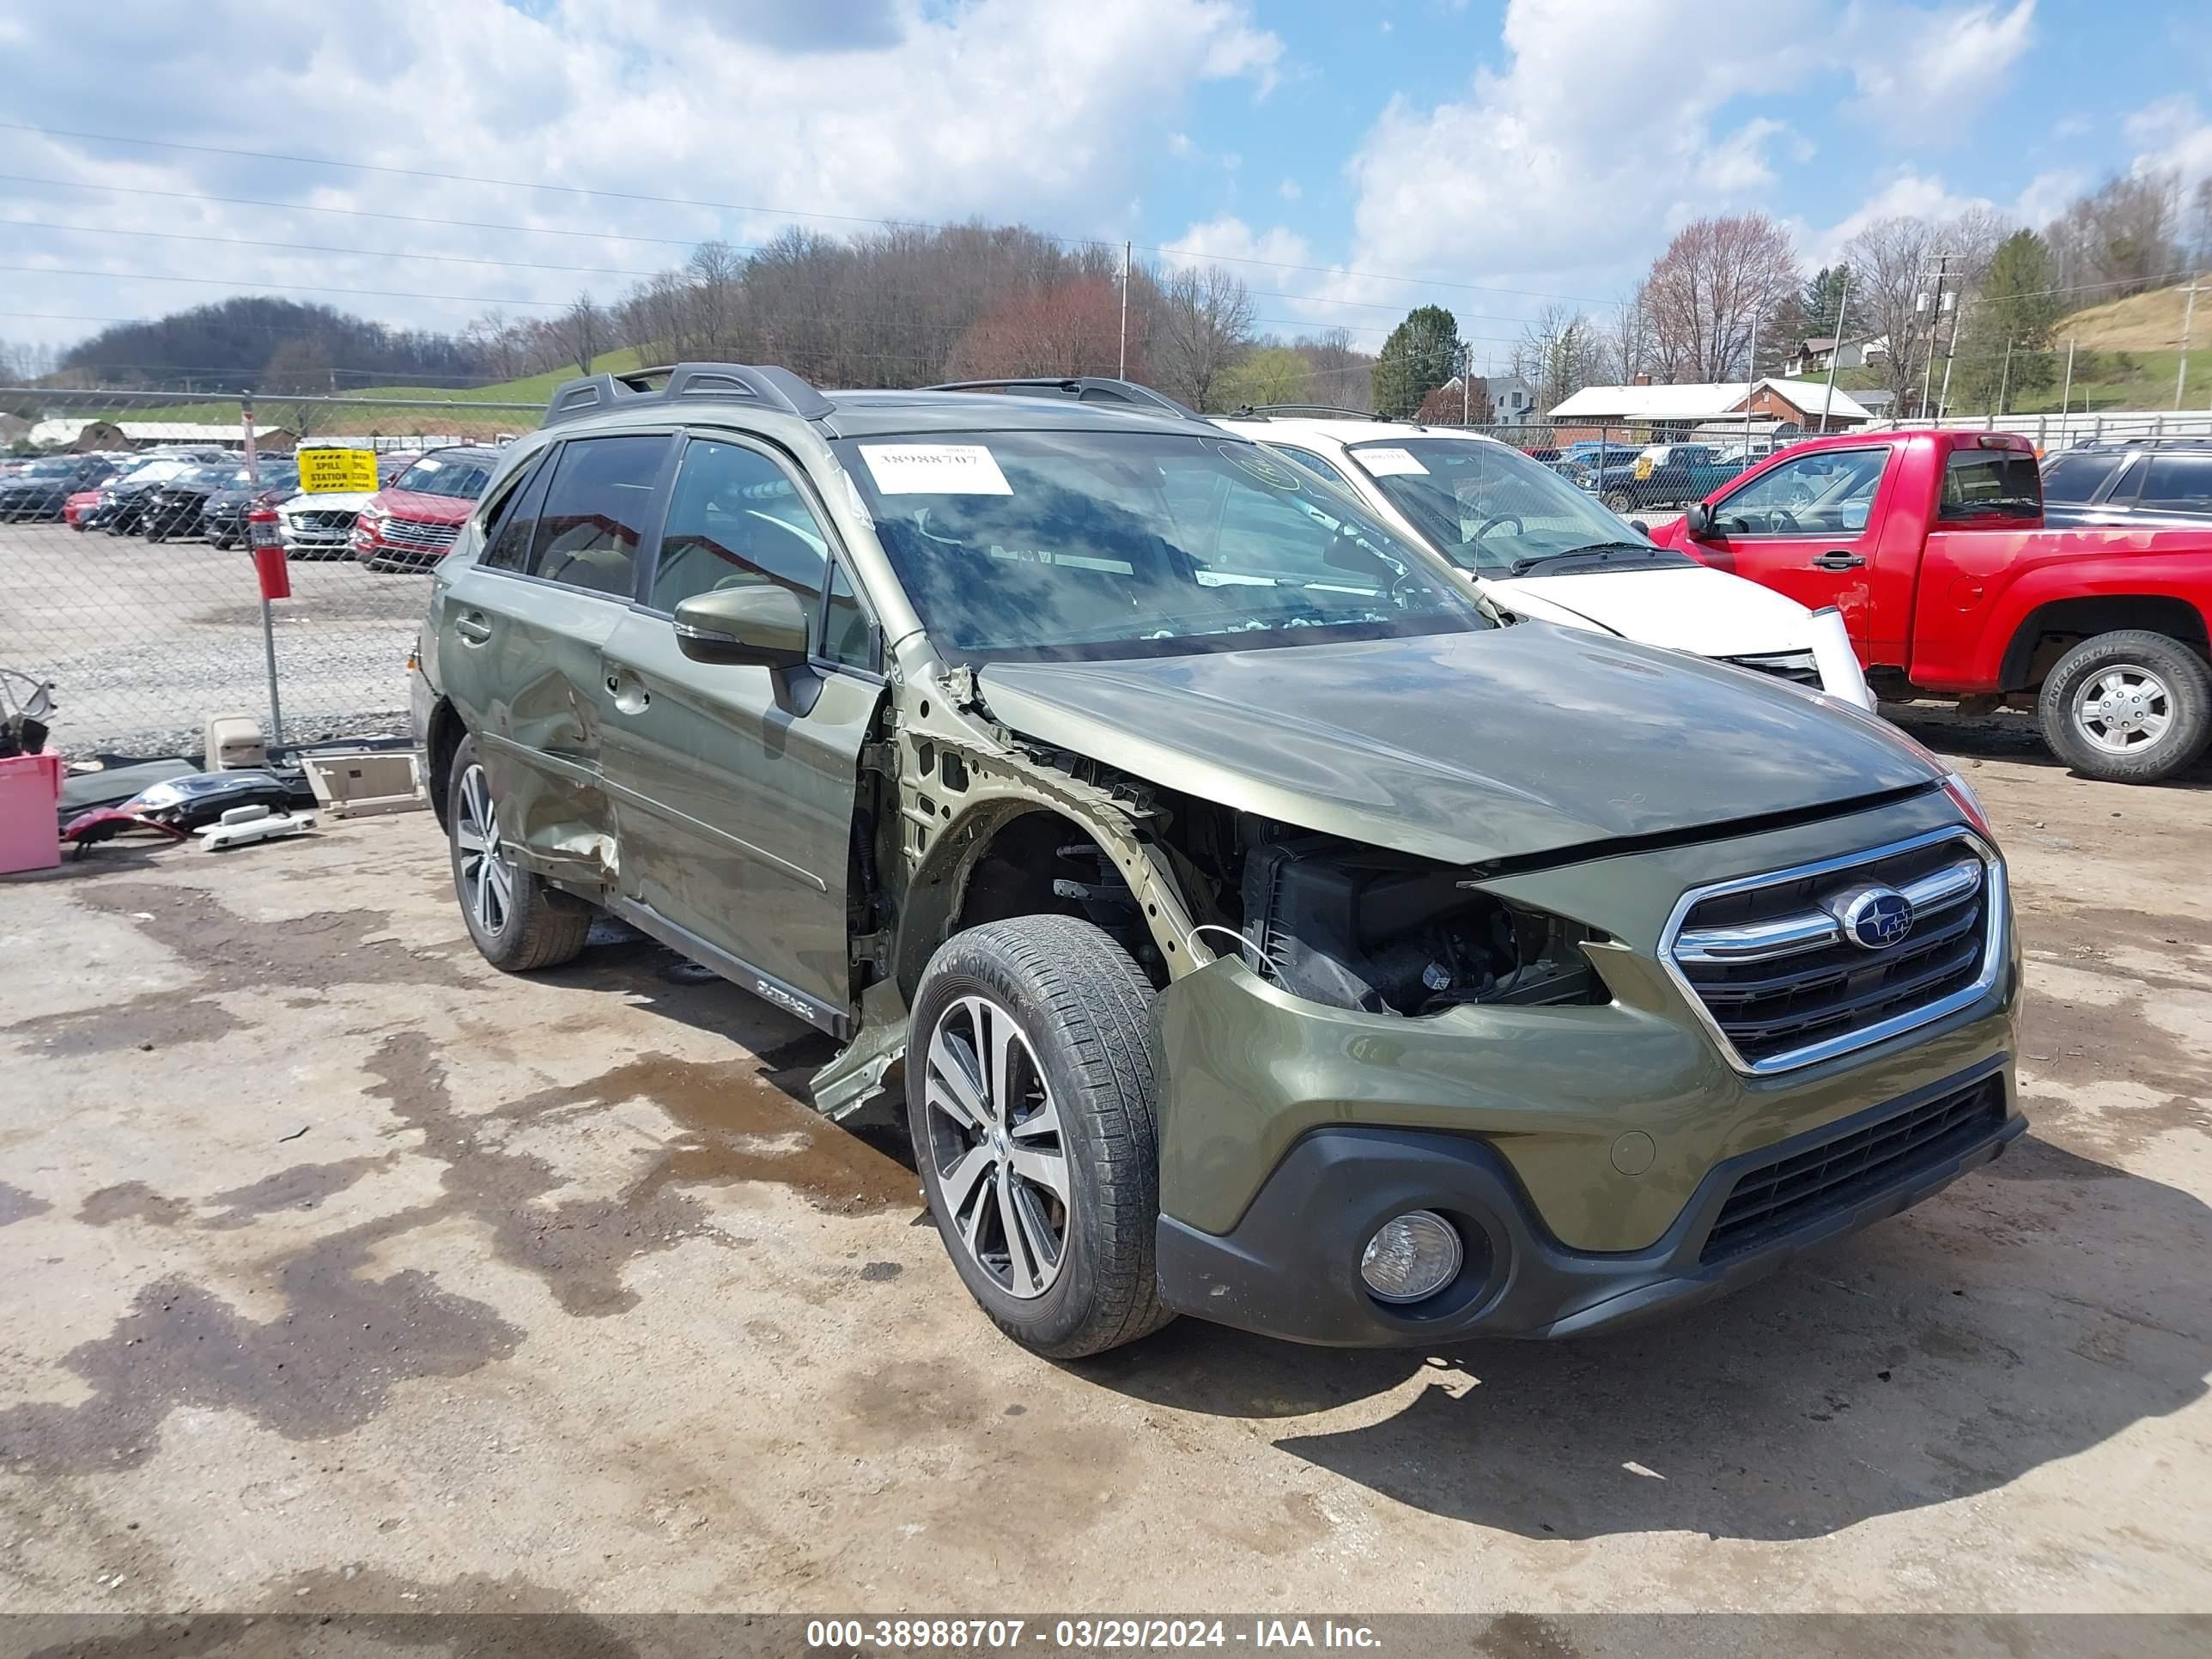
point(1256, 926)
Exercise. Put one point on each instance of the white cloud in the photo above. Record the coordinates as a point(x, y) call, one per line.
point(1928, 73)
point(898, 109)
point(2176, 137)
point(1597, 135)
point(1288, 191)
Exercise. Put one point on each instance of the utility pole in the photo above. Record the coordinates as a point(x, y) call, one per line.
point(2004, 382)
point(2188, 311)
point(1944, 398)
point(1125, 311)
point(1466, 384)
point(1750, 382)
point(2066, 394)
point(1934, 318)
point(1835, 351)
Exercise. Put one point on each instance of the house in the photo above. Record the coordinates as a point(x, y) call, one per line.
point(1814, 356)
point(85, 435)
point(1513, 402)
point(1654, 413)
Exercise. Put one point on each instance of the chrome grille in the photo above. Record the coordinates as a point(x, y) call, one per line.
point(419, 536)
point(1768, 961)
point(324, 521)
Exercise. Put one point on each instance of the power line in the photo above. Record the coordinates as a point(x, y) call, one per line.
point(282, 288)
point(310, 247)
point(766, 212)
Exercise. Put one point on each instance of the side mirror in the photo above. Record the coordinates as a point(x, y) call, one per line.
point(1640, 528)
point(763, 626)
point(1699, 520)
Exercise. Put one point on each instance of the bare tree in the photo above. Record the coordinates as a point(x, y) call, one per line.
point(1892, 265)
point(1338, 372)
point(1557, 355)
point(1721, 285)
point(2200, 220)
point(2121, 238)
point(1202, 326)
point(1631, 349)
point(583, 332)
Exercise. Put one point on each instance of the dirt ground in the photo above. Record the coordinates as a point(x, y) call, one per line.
point(345, 1273)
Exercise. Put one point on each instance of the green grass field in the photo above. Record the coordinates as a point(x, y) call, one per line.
point(443, 411)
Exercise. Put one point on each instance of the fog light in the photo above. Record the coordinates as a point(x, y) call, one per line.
point(1411, 1257)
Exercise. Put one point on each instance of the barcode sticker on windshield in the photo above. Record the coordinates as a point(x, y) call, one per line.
point(935, 469)
point(1389, 463)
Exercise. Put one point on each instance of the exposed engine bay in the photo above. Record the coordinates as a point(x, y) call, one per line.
point(1360, 928)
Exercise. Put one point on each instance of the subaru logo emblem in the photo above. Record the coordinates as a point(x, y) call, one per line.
point(1873, 918)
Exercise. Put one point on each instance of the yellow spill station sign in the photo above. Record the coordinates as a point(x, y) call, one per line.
point(335, 472)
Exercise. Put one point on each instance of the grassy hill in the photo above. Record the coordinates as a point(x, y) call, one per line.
point(2126, 353)
point(442, 409)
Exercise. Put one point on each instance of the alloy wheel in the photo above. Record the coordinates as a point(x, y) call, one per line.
point(2123, 708)
point(487, 877)
point(995, 1142)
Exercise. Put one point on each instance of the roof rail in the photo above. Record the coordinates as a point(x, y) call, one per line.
point(1263, 410)
point(1083, 388)
point(771, 388)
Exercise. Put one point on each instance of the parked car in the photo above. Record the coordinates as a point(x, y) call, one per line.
point(1534, 545)
point(412, 522)
point(1261, 930)
point(176, 508)
point(124, 497)
point(320, 526)
point(79, 506)
point(223, 520)
point(39, 491)
point(2148, 480)
point(1664, 474)
point(1933, 544)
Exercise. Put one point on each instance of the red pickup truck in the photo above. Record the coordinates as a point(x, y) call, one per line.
point(1933, 546)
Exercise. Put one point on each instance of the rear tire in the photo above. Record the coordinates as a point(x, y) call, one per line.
point(1620, 500)
point(519, 921)
point(2128, 707)
point(1042, 1170)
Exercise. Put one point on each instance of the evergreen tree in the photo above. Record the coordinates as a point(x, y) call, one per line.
point(1823, 300)
point(1422, 353)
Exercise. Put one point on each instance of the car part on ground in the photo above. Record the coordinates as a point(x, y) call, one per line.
point(243, 826)
point(1243, 903)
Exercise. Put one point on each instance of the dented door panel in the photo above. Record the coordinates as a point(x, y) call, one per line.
point(521, 660)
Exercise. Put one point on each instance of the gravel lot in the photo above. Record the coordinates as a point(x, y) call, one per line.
point(347, 1275)
point(144, 641)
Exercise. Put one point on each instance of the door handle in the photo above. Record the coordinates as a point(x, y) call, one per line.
point(1838, 560)
point(473, 629)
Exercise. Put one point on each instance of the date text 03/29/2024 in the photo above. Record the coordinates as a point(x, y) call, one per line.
point(861, 1636)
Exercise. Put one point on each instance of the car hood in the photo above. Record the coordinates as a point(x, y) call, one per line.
point(426, 510)
point(1683, 607)
point(1463, 747)
point(326, 502)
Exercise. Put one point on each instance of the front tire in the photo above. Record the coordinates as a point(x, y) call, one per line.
point(1031, 1100)
point(1620, 500)
point(2128, 707)
point(519, 921)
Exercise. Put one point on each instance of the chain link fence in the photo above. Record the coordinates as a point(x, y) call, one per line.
point(125, 579)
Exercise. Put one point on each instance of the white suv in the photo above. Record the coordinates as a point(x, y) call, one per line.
point(1536, 546)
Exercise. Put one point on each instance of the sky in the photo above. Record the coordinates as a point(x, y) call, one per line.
point(1494, 156)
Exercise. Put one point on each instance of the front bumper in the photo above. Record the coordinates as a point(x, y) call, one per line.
point(1290, 1268)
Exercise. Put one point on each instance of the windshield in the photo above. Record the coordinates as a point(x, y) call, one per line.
point(1492, 510)
point(50, 468)
point(433, 476)
point(1033, 545)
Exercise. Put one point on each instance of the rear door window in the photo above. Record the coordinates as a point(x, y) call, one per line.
point(594, 513)
point(2178, 483)
point(1991, 483)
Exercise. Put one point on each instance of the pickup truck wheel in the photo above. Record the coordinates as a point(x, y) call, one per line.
point(2129, 707)
point(519, 921)
point(1620, 500)
point(1029, 1097)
